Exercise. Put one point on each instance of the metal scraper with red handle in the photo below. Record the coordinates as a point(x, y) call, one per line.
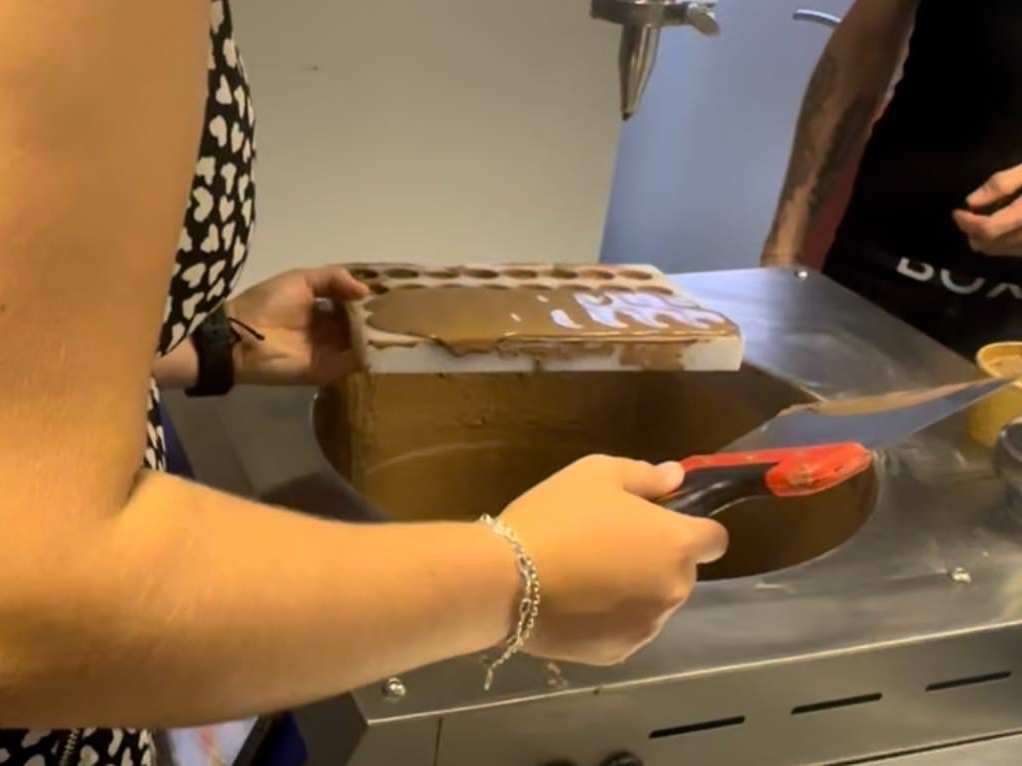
point(714, 483)
point(814, 447)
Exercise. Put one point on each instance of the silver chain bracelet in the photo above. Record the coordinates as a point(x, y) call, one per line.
point(528, 607)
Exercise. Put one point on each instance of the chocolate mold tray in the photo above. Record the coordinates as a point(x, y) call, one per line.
point(600, 318)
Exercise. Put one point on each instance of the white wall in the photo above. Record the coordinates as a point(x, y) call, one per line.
point(451, 130)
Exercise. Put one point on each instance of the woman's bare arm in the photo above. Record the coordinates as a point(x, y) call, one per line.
point(131, 598)
point(179, 368)
point(187, 606)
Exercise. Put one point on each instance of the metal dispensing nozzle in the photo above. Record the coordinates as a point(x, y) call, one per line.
point(641, 22)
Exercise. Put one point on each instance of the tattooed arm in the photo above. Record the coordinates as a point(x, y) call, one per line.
point(844, 94)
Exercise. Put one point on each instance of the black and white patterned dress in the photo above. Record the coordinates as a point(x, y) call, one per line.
point(211, 251)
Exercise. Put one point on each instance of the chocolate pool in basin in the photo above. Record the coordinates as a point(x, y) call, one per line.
point(455, 447)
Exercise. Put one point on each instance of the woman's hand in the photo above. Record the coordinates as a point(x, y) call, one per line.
point(613, 566)
point(304, 327)
point(994, 223)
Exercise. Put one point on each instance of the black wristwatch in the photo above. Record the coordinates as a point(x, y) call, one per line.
point(214, 343)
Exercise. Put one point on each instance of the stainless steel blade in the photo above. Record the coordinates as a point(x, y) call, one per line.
point(874, 422)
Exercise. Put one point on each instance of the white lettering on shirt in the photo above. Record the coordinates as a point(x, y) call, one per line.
point(920, 271)
point(971, 289)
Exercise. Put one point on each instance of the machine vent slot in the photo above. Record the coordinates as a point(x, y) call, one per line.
point(819, 707)
point(971, 681)
point(692, 728)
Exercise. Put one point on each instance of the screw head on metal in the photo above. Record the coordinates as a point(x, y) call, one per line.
point(961, 575)
point(394, 689)
point(802, 274)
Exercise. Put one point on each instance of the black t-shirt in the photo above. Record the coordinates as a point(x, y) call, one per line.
point(955, 120)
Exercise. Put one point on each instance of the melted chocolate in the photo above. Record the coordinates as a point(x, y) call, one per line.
point(566, 321)
point(423, 447)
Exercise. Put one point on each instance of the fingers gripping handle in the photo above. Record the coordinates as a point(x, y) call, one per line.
point(714, 483)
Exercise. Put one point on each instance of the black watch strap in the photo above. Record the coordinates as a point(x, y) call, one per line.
point(214, 341)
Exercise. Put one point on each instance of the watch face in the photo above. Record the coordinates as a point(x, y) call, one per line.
point(213, 342)
point(217, 329)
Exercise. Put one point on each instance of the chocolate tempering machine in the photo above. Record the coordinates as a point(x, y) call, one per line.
point(887, 627)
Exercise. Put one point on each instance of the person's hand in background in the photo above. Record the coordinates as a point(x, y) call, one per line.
point(993, 223)
point(613, 566)
point(304, 328)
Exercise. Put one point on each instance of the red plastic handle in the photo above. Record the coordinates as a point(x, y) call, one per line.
point(794, 472)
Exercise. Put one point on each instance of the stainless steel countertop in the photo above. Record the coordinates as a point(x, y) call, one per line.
point(941, 508)
point(997, 752)
point(929, 519)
